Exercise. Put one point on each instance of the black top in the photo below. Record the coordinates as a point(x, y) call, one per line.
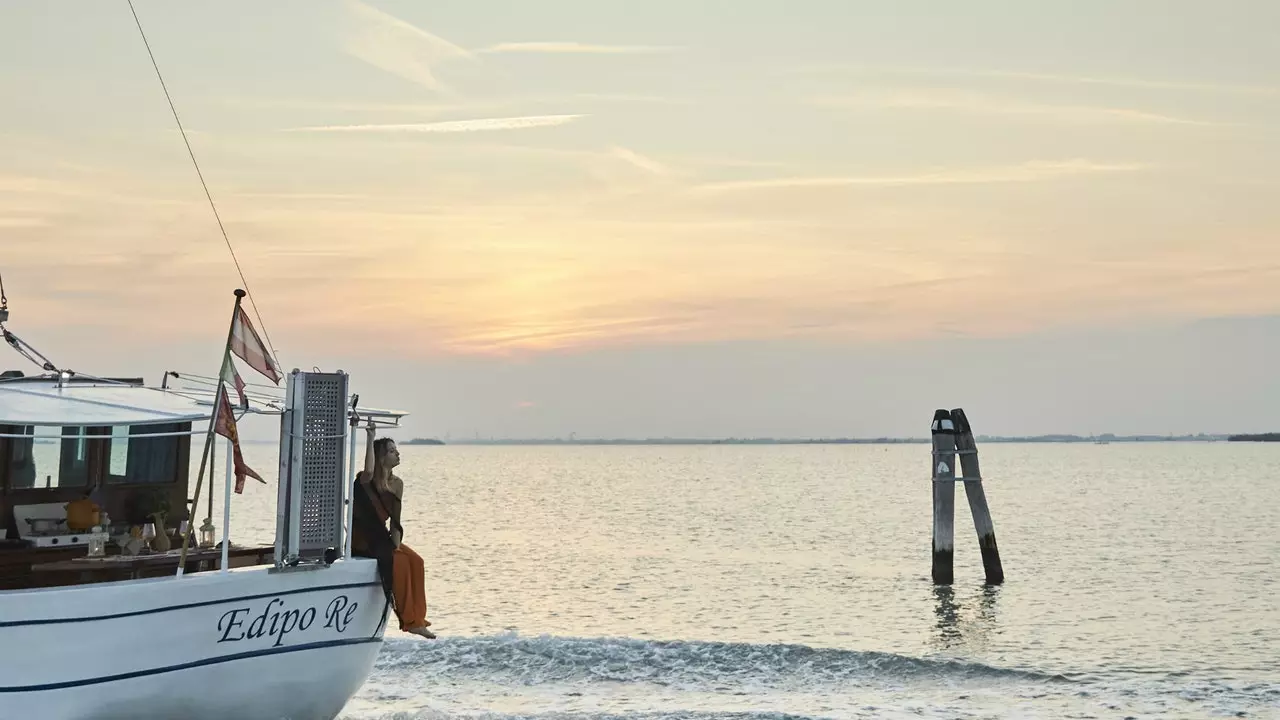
point(369, 534)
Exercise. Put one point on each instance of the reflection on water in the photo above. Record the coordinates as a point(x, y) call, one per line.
point(952, 628)
point(948, 613)
point(987, 603)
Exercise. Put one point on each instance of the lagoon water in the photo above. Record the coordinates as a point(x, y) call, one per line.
point(793, 582)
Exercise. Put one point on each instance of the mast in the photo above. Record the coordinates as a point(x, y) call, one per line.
point(208, 436)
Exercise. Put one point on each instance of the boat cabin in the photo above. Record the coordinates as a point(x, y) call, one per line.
point(124, 447)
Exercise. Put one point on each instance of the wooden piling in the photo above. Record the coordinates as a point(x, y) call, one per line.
point(967, 449)
point(944, 496)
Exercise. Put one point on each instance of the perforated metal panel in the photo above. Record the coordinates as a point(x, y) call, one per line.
point(313, 441)
point(323, 466)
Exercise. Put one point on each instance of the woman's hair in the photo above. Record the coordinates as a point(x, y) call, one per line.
point(380, 447)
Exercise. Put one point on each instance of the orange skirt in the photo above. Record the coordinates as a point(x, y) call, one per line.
point(409, 589)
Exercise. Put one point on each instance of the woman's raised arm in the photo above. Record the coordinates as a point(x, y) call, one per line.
point(370, 434)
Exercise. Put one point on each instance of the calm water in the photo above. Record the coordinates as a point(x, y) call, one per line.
point(793, 581)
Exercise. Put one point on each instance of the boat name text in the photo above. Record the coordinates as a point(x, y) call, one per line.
point(276, 622)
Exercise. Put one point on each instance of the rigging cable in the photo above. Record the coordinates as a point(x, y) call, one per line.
point(23, 348)
point(203, 184)
point(19, 345)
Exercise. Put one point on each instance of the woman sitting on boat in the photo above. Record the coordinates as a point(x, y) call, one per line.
point(378, 498)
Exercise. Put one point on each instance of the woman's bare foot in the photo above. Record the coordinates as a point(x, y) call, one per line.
point(423, 632)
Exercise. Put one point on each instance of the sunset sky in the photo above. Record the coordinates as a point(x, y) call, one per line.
point(805, 218)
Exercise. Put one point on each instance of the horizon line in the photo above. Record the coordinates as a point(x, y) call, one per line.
point(882, 440)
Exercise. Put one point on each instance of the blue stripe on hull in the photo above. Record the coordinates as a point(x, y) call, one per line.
point(188, 666)
point(187, 606)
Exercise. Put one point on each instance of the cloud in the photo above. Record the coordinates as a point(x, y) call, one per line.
point(557, 48)
point(994, 105)
point(1048, 78)
point(642, 162)
point(22, 221)
point(452, 126)
point(391, 44)
point(632, 98)
point(1026, 172)
point(308, 196)
point(1134, 83)
point(422, 109)
point(569, 330)
point(37, 185)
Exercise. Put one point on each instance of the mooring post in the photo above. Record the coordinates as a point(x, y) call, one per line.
point(944, 496)
point(967, 449)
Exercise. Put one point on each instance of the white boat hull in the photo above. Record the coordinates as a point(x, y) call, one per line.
point(247, 644)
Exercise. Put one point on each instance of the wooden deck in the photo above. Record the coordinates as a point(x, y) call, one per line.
point(24, 567)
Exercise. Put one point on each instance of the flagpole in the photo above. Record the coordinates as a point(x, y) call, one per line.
point(195, 504)
point(213, 460)
point(208, 437)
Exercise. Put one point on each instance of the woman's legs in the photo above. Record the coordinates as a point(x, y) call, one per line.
point(408, 586)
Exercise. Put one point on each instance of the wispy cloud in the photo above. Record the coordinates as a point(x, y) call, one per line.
point(452, 126)
point(1135, 83)
point(1047, 78)
point(427, 110)
point(36, 185)
point(571, 330)
point(1026, 172)
point(431, 110)
point(630, 98)
point(22, 221)
point(307, 196)
point(575, 48)
point(979, 103)
point(391, 44)
point(642, 162)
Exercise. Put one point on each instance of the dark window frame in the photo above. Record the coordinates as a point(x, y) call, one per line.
point(98, 461)
point(181, 453)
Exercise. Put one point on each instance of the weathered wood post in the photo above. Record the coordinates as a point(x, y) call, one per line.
point(972, 476)
point(944, 496)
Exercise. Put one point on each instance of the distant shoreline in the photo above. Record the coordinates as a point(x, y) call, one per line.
point(1094, 439)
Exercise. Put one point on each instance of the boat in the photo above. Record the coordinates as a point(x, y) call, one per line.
point(202, 629)
point(112, 605)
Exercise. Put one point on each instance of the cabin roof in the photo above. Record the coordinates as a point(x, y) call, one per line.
point(45, 402)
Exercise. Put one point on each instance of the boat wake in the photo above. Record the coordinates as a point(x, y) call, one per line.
point(509, 676)
point(512, 659)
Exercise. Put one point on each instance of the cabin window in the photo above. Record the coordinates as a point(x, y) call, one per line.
point(46, 459)
point(134, 459)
